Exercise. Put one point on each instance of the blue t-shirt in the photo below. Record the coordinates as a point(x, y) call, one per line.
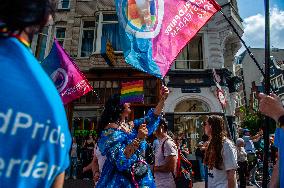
point(249, 145)
point(278, 142)
point(34, 135)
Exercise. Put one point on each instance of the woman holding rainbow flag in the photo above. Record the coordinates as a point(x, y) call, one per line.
point(123, 144)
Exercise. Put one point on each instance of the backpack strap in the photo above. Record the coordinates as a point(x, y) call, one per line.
point(163, 151)
point(163, 147)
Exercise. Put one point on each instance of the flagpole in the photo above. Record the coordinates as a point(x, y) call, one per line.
point(267, 91)
point(243, 42)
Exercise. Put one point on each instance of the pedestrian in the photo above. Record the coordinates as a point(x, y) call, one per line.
point(72, 170)
point(199, 153)
point(34, 134)
point(271, 105)
point(165, 158)
point(242, 162)
point(96, 165)
point(123, 144)
point(273, 150)
point(220, 156)
point(88, 149)
point(251, 153)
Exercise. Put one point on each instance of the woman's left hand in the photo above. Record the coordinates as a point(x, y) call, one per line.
point(142, 132)
point(164, 92)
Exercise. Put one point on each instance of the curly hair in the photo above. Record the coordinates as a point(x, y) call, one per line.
point(213, 154)
point(112, 112)
point(19, 14)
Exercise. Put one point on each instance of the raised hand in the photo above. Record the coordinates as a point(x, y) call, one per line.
point(271, 105)
point(142, 132)
point(164, 92)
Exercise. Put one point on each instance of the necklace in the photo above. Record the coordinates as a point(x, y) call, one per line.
point(126, 127)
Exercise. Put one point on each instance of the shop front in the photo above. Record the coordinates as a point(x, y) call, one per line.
point(186, 113)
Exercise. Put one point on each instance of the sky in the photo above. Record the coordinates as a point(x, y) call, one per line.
point(252, 13)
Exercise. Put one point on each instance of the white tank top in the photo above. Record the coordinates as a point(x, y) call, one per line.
point(100, 157)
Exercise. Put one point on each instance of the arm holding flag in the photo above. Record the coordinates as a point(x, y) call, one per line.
point(152, 117)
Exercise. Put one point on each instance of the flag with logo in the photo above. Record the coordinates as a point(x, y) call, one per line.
point(68, 79)
point(132, 92)
point(153, 32)
point(220, 93)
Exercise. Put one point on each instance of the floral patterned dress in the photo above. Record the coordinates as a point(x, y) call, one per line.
point(112, 144)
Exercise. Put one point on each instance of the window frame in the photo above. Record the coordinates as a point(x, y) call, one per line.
point(59, 39)
point(81, 37)
point(255, 102)
point(281, 79)
point(60, 3)
point(187, 61)
point(99, 30)
point(34, 44)
point(273, 83)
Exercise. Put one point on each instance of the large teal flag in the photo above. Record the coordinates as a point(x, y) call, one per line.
point(153, 32)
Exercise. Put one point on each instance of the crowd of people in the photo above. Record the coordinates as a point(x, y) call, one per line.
point(37, 147)
point(121, 148)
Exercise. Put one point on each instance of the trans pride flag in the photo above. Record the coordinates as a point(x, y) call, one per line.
point(153, 32)
point(132, 92)
point(68, 79)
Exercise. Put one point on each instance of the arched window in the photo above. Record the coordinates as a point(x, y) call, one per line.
point(190, 105)
point(188, 128)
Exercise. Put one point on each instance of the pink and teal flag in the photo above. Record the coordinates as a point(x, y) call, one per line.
point(153, 32)
point(132, 92)
point(68, 79)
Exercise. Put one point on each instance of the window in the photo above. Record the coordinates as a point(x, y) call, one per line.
point(150, 91)
point(191, 57)
point(105, 88)
point(189, 129)
point(42, 43)
point(102, 91)
point(273, 83)
point(108, 28)
point(239, 101)
point(88, 37)
point(255, 101)
point(64, 4)
point(60, 35)
point(279, 81)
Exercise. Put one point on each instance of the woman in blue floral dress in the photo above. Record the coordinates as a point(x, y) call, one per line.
point(124, 143)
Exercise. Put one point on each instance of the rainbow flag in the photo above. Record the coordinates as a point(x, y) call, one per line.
point(132, 92)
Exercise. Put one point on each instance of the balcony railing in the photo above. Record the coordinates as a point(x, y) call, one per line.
point(188, 65)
